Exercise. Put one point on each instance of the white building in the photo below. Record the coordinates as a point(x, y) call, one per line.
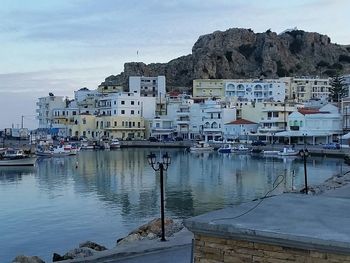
point(240, 129)
point(273, 90)
point(45, 109)
point(148, 86)
point(310, 126)
point(120, 104)
point(162, 128)
point(214, 116)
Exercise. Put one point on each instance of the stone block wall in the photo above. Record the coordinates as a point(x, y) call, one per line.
point(208, 249)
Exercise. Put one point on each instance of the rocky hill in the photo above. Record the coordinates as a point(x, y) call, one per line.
point(241, 53)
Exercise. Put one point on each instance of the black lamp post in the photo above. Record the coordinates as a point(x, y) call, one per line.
point(304, 135)
point(305, 153)
point(161, 167)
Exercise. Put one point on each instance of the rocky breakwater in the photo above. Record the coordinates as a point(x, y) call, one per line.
point(151, 230)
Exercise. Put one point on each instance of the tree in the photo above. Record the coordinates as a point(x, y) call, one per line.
point(338, 89)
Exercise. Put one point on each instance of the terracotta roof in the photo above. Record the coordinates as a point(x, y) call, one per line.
point(241, 121)
point(305, 111)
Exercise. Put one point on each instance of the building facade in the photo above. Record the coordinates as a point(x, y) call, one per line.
point(148, 86)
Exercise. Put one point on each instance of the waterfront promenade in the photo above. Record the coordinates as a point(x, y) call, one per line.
point(281, 218)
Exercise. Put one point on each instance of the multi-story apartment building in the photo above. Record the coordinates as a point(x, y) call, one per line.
point(121, 104)
point(148, 86)
point(306, 88)
point(271, 116)
point(208, 88)
point(255, 90)
point(45, 109)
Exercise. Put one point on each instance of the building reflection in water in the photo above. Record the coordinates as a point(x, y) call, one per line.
point(194, 183)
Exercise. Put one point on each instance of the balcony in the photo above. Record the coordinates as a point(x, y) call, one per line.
point(183, 113)
point(183, 121)
point(211, 129)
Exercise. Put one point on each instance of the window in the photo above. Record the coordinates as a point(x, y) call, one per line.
point(138, 103)
point(122, 111)
point(84, 121)
point(115, 102)
point(74, 113)
point(133, 124)
point(122, 123)
point(115, 124)
point(123, 102)
point(132, 102)
point(115, 112)
point(138, 124)
point(132, 112)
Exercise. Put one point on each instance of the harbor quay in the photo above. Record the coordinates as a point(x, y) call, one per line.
point(285, 228)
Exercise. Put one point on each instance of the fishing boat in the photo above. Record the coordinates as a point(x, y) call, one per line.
point(240, 149)
point(288, 152)
point(201, 146)
point(115, 144)
point(16, 157)
point(57, 151)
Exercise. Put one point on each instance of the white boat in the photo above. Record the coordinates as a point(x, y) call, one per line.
point(115, 144)
point(240, 149)
point(87, 145)
point(16, 157)
point(270, 152)
point(57, 151)
point(288, 152)
point(201, 147)
point(104, 144)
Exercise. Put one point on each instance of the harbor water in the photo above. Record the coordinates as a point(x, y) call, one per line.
point(103, 195)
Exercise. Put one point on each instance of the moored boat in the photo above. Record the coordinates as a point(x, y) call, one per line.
point(240, 149)
point(226, 148)
point(16, 157)
point(115, 144)
point(201, 147)
point(288, 152)
point(57, 151)
point(270, 152)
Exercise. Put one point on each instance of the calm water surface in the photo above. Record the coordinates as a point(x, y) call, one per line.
point(102, 195)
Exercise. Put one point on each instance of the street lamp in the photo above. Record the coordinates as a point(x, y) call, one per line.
point(305, 153)
point(304, 136)
point(161, 167)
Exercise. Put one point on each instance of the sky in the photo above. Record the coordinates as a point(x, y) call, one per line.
point(60, 46)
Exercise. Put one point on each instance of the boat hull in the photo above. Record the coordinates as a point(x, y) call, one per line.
point(30, 161)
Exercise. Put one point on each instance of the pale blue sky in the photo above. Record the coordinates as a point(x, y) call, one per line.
point(62, 45)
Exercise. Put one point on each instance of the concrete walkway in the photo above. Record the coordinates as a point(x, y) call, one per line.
point(301, 219)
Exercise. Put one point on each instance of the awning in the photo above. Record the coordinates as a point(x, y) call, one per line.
point(345, 136)
point(302, 134)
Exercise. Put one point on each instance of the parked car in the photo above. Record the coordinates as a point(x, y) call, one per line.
point(179, 139)
point(258, 143)
point(153, 139)
point(332, 146)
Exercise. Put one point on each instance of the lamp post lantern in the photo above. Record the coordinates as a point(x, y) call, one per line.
point(161, 167)
point(305, 153)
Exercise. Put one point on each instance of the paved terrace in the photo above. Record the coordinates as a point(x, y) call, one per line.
point(303, 222)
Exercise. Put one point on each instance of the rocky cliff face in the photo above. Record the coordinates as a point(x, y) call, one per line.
point(241, 53)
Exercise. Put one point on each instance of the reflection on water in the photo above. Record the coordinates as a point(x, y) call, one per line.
point(102, 195)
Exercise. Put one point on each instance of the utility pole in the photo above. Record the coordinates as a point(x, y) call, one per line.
point(22, 117)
